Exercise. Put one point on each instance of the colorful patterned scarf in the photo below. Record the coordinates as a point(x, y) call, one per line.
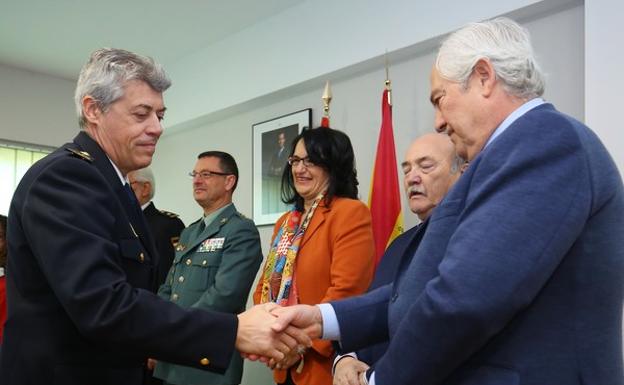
point(278, 284)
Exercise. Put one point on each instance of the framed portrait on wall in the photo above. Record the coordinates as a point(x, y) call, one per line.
point(271, 146)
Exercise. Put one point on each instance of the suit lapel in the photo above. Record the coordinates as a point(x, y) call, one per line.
point(409, 249)
point(317, 220)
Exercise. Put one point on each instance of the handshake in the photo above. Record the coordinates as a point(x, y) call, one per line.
point(277, 335)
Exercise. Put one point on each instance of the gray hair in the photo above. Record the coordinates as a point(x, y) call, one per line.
point(146, 175)
point(106, 73)
point(505, 44)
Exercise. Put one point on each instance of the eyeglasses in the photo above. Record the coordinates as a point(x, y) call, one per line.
point(205, 174)
point(295, 160)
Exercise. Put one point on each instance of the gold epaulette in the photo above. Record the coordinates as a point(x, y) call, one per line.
point(169, 213)
point(81, 154)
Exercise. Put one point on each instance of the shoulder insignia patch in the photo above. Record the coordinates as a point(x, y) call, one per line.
point(169, 213)
point(81, 154)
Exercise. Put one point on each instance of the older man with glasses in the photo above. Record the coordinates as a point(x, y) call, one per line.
point(215, 262)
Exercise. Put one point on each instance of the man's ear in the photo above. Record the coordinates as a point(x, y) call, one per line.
point(90, 109)
point(230, 180)
point(485, 76)
point(147, 189)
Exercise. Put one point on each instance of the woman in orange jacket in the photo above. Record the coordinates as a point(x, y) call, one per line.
point(322, 249)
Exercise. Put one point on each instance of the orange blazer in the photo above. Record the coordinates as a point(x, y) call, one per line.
point(335, 260)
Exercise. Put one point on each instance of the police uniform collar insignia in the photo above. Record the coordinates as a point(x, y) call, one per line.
point(180, 247)
point(223, 220)
point(168, 213)
point(81, 154)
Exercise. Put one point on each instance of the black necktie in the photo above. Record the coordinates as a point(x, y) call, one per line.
point(201, 227)
point(133, 201)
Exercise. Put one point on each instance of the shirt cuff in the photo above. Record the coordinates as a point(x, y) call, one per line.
point(331, 329)
point(340, 357)
point(371, 380)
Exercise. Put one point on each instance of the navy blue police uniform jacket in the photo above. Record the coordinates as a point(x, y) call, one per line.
point(79, 306)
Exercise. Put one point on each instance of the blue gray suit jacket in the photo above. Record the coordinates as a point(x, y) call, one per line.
point(396, 257)
point(519, 278)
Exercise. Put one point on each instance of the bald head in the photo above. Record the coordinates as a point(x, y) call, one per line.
point(430, 168)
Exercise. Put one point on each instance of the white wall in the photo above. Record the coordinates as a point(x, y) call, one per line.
point(313, 39)
point(604, 61)
point(36, 108)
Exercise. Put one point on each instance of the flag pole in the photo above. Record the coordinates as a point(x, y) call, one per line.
point(388, 82)
point(384, 196)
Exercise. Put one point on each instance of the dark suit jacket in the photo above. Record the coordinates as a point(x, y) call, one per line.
point(396, 257)
point(166, 228)
point(519, 277)
point(79, 311)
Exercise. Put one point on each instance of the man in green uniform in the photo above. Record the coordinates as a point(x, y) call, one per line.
point(215, 263)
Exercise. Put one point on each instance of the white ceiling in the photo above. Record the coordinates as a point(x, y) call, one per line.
point(55, 37)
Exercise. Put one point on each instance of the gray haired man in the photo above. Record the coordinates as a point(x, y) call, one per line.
point(79, 308)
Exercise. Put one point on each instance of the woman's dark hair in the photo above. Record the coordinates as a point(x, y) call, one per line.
point(331, 150)
point(3, 251)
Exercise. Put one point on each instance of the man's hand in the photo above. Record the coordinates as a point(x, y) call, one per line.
point(256, 338)
point(348, 371)
point(304, 317)
point(291, 359)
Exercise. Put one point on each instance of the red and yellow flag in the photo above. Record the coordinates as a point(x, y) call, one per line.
point(384, 197)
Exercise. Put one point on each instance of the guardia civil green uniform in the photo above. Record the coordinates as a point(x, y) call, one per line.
point(213, 268)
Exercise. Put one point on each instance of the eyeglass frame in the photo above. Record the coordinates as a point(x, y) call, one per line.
point(294, 160)
point(206, 174)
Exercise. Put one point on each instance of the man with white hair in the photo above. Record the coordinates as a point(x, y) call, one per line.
point(164, 225)
point(519, 277)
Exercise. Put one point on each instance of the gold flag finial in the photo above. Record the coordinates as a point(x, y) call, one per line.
point(327, 97)
point(388, 82)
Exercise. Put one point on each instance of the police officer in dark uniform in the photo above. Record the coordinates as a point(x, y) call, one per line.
point(80, 309)
point(164, 225)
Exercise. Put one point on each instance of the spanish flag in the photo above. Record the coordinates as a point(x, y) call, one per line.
point(384, 197)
